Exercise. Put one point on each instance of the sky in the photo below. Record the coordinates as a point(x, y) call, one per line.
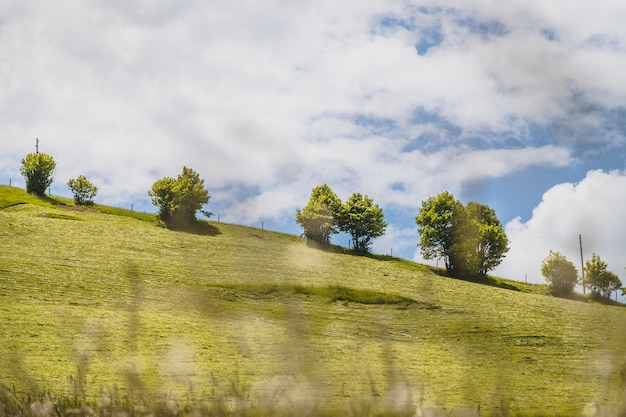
point(520, 105)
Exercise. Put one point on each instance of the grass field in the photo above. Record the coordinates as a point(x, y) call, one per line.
point(103, 303)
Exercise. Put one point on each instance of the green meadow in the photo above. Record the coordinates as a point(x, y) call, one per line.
point(103, 306)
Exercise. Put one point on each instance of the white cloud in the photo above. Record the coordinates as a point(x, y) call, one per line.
point(266, 100)
point(395, 240)
point(591, 208)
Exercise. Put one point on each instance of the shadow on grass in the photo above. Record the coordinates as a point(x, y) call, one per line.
point(51, 200)
point(333, 293)
point(483, 280)
point(590, 298)
point(328, 247)
point(199, 227)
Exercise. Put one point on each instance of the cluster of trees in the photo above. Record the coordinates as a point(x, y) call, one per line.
point(178, 199)
point(470, 239)
point(325, 215)
point(38, 168)
point(562, 276)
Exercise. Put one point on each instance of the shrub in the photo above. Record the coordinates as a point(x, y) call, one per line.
point(37, 169)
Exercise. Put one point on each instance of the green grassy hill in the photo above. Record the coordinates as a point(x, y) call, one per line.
point(102, 304)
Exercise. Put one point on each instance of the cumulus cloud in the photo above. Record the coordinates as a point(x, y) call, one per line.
point(590, 208)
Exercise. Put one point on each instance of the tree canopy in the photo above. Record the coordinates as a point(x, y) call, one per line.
point(179, 199)
point(37, 169)
point(470, 239)
point(560, 273)
point(489, 240)
point(599, 279)
point(363, 220)
point(84, 191)
point(318, 218)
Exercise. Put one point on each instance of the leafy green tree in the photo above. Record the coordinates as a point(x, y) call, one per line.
point(363, 220)
point(318, 218)
point(598, 279)
point(37, 169)
point(179, 199)
point(437, 225)
point(489, 241)
point(470, 240)
point(560, 273)
point(84, 191)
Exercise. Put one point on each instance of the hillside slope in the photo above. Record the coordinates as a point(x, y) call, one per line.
point(90, 301)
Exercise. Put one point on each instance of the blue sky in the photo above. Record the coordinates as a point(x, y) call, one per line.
point(519, 106)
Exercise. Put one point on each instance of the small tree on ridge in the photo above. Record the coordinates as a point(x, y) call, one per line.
point(84, 191)
point(363, 220)
point(179, 199)
point(598, 279)
point(37, 169)
point(560, 273)
point(318, 218)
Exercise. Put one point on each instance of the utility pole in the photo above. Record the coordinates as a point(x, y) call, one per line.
point(582, 265)
point(37, 145)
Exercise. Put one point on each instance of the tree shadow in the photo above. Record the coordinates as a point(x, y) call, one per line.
point(476, 279)
point(50, 200)
point(199, 227)
point(590, 298)
point(327, 247)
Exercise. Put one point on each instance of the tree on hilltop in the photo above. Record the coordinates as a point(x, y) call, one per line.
point(179, 199)
point(363, 220)
point(470, 239)
point(37, 168)
point(318, 218)
point(598, 279)
point(489, 241)
point(560, 273)
point(84, 191)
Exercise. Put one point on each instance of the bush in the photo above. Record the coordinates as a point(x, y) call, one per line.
point(560, 273)
point(179, 199)
point(83, 190)
point(37, 169)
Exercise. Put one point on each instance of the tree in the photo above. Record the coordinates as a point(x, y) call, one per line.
point(470, 239)
point(179, 199)
point(363, 220)
point(37, 169)
point(83, 190)
point(491, 242)
point(318, 218)
point(437, 224)
point(560, 273)
point(598, 279)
